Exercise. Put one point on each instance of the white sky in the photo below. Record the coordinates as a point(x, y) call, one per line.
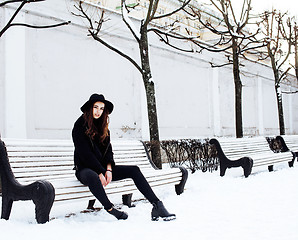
point(284, 5)
point(260, 5)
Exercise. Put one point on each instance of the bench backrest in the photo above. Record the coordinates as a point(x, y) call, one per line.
point(235, 148)
point(291, 142)
point(53, 160)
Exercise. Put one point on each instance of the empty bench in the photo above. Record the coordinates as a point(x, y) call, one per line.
point(42, 171)
point(248, 153)
point(289, 143)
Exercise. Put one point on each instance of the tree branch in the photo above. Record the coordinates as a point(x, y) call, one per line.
point(288, 39)
point(225, 16)
point(95, 37)
point(127, 21)
point(186, 2)
point(85, 15)
point(95, 31)
point(150, 12)
point(290, 92)
point(15, 1)
point(222, 65)
point(154, 9)
point(242, 12)
point(166, 41)
point(252, 48)
point(155, 30)
point(23, 2)
point(218, 8)
point(207, 25)
point(284, 74)
point(247, 15)
point(232, 10)
point(39, 27)
point(220, 42)
point(12, 18)
point(212, 49)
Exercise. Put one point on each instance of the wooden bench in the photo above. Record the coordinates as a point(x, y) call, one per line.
point(248, 153)
point(289, 143)
point(42, 171)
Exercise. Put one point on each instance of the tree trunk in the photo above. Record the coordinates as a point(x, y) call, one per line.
point(277, 92)
point(238, 90)
point(296, 51)
point(151, 102)
point(280, 110)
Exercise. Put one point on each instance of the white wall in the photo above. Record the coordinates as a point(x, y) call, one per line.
point(56, 70)
point(13, 78)
point(2, 75)
point(294, 113)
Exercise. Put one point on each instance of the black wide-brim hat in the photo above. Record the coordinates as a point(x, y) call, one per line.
point(97, 98)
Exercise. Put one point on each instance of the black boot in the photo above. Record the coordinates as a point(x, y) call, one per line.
point(159, 210)
point(118, 214)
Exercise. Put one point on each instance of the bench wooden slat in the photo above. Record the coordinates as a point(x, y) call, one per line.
point(127, 187)
point(39, 154)
point(128, 158)
point(30, 177)
point(61, 173)
point(260, 156)
point(40, 159)
point(25, 163)
point(72, 186)
point(44, 166)
point(48, 178)
point(67, 154)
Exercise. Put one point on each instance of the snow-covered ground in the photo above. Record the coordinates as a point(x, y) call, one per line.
point(262, 206)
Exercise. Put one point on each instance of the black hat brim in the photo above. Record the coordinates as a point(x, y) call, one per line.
point(108, 105)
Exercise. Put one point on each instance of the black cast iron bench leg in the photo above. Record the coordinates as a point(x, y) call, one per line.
point(42, 193)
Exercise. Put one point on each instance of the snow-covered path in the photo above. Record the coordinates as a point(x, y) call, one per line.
point(263, 206)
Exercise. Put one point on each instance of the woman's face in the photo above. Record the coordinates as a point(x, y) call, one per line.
point(98, 108)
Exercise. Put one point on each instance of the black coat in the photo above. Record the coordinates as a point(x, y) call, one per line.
point(89, 153)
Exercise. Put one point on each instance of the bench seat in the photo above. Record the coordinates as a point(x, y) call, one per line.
point(52, 161)
point(248, 153)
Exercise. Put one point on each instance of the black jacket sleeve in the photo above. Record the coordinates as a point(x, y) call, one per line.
point(84, 154)
point(109, 157)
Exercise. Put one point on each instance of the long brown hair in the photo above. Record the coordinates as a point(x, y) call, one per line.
point(98, 128)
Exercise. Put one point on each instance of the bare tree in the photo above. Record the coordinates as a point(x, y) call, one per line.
point(141, 39)
point(232, 36)
point(295, 43)
point(10, 22)
point(278, 29)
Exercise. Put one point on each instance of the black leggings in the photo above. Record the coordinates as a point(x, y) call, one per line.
point(91, 179)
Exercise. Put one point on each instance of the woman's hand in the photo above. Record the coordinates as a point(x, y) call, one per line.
point(108, 176)
point(103, 180)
